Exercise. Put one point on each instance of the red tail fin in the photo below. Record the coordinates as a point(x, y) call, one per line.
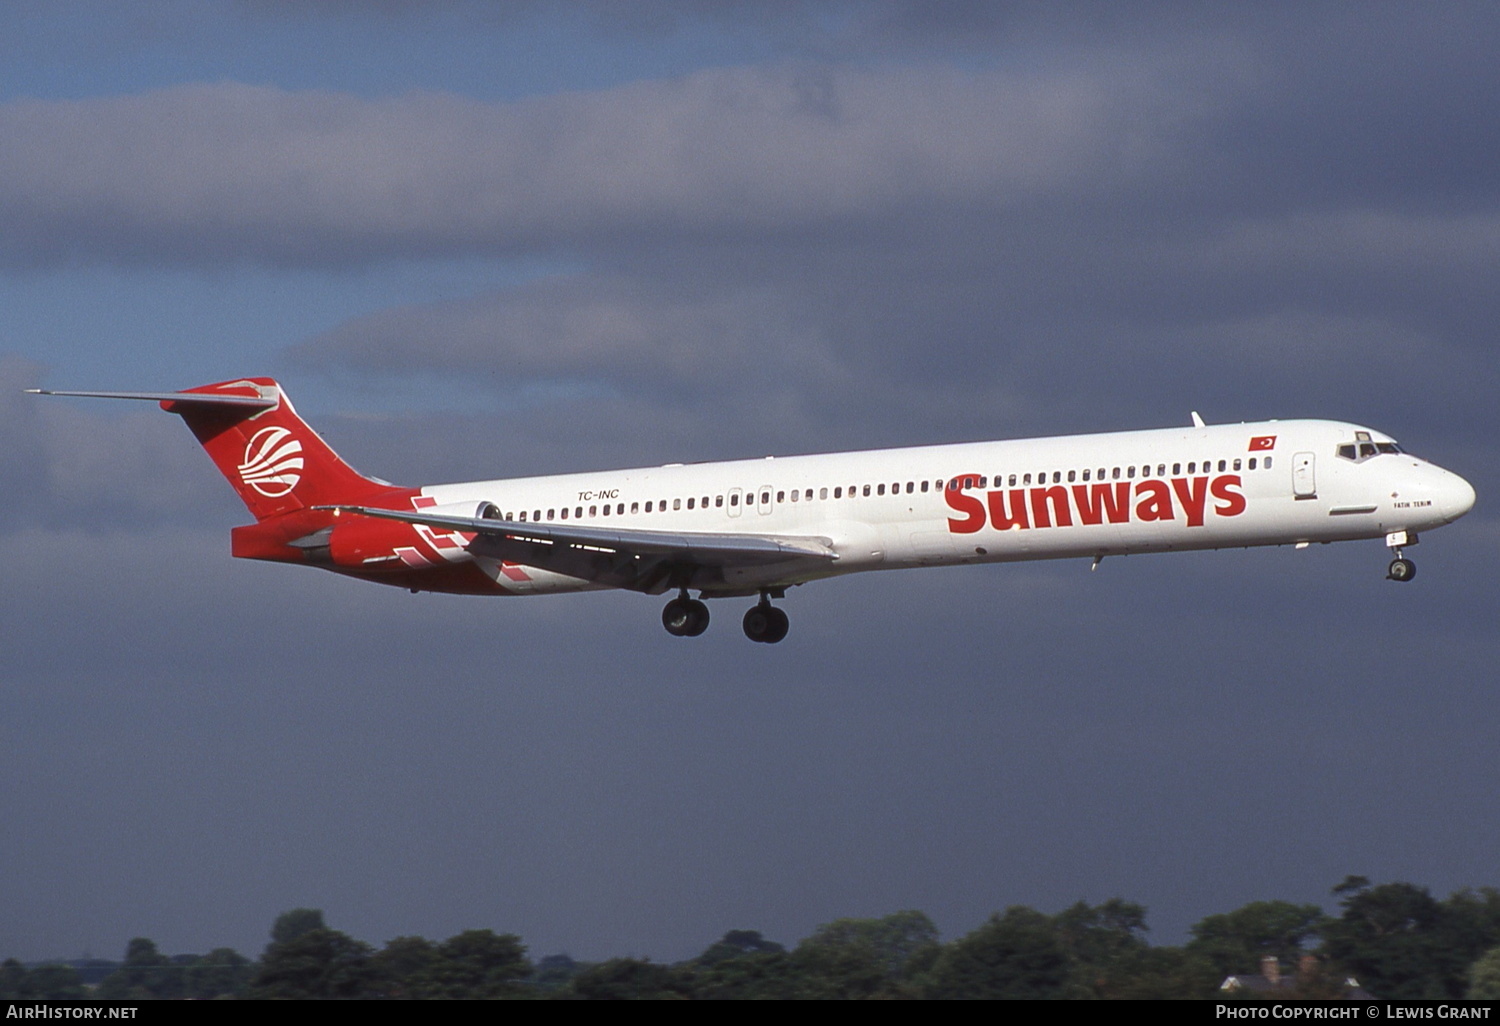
point(275, 461)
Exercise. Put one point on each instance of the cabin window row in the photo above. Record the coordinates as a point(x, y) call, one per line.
point(895, 488)
point(1112, 473)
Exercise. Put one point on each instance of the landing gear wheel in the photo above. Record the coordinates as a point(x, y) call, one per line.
point(1401, 569)
point(766, 623)
point(685, 617)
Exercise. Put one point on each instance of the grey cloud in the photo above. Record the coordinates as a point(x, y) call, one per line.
point(234, 172)
point(66, 464)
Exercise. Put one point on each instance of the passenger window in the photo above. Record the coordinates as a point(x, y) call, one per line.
point(690, 502)
point(822, 493)
point(635, 507)
point(838, 492)
point(1176, 469)
point(1072, 475)
point(910, 487)
point(718, 502)
point(866, 491)
point(1130, 471)
point(1221, 466)
point(1085, 473)
point(523, 516)
point(606, 509)
point(1193, 467)
point(536, 515)
point(1252, 462)
point(924, 486)
point(734, 500)
point(594, 510)
point(880, 489)
point(795, 493)
point(1057, 477)
point(1236, 464)
point(1268, 463)
point(765, 497)
point(565, 513)
point(1026, 479)
point(676, 503)
point(552, 514)
point(578, 513)
point(781, 496)
point(648, 505)
point(1012, 480)
point(1161, 470)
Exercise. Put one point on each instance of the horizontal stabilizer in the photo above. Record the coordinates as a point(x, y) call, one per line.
point(184, 398)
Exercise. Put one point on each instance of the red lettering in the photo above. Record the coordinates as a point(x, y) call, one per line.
point(1156, 500)
point(1057, 496)
point(1000, 520)
point(1234, 501)
point(1116, 501)
point(1192, 494)
point(968, 505)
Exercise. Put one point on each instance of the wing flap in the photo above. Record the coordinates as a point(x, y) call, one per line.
point(637, 560)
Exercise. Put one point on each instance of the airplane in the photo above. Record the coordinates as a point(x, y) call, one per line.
point(758, 527)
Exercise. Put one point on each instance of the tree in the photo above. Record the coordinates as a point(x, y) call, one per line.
point(291, 925)
point(1016, 955)
point(632, 979)
point(223, 972)
point(1235, 942)
point(401, 967)
point(146, 974)
point(1395, 940)
point(737, 944)
point(861, 958)
point(320, 963)
point(476, 964)
point(1484, 977)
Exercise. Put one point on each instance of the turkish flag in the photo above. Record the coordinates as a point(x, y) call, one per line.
point(1260, 443)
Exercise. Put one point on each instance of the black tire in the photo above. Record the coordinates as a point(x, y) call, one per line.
point(766, 624)
point(677, 617)
point(698, 622)
point(1401, 570)
point(756, 623)
point(779, 626)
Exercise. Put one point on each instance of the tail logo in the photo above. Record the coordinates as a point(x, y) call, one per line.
point(273, 462)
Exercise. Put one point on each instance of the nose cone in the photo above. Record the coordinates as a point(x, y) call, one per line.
point(1455, 496)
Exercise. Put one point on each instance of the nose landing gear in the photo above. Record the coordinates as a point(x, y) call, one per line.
point(765, 623)
point(684, 617)
point(1401, 568)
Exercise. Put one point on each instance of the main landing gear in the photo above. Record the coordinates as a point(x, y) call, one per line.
point(687, 618)
point(1401, 568)
point(684, 617)
point(764, 622)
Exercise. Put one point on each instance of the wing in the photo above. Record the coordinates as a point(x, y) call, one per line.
point(647, 561)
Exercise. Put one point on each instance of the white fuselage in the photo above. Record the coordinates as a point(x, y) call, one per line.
point(1265, 483)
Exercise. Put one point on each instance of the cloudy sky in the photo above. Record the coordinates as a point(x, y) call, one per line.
point(477, 240)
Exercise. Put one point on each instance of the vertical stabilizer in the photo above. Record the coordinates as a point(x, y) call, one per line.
point(268, 454)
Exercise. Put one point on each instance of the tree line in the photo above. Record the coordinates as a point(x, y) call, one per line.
point(1395, 939)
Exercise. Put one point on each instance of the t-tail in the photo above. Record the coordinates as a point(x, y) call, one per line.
point(268, 454)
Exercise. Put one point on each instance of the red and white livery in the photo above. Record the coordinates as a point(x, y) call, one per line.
point(758, 527)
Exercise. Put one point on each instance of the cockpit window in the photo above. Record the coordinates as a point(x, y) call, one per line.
point(1364, 449)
